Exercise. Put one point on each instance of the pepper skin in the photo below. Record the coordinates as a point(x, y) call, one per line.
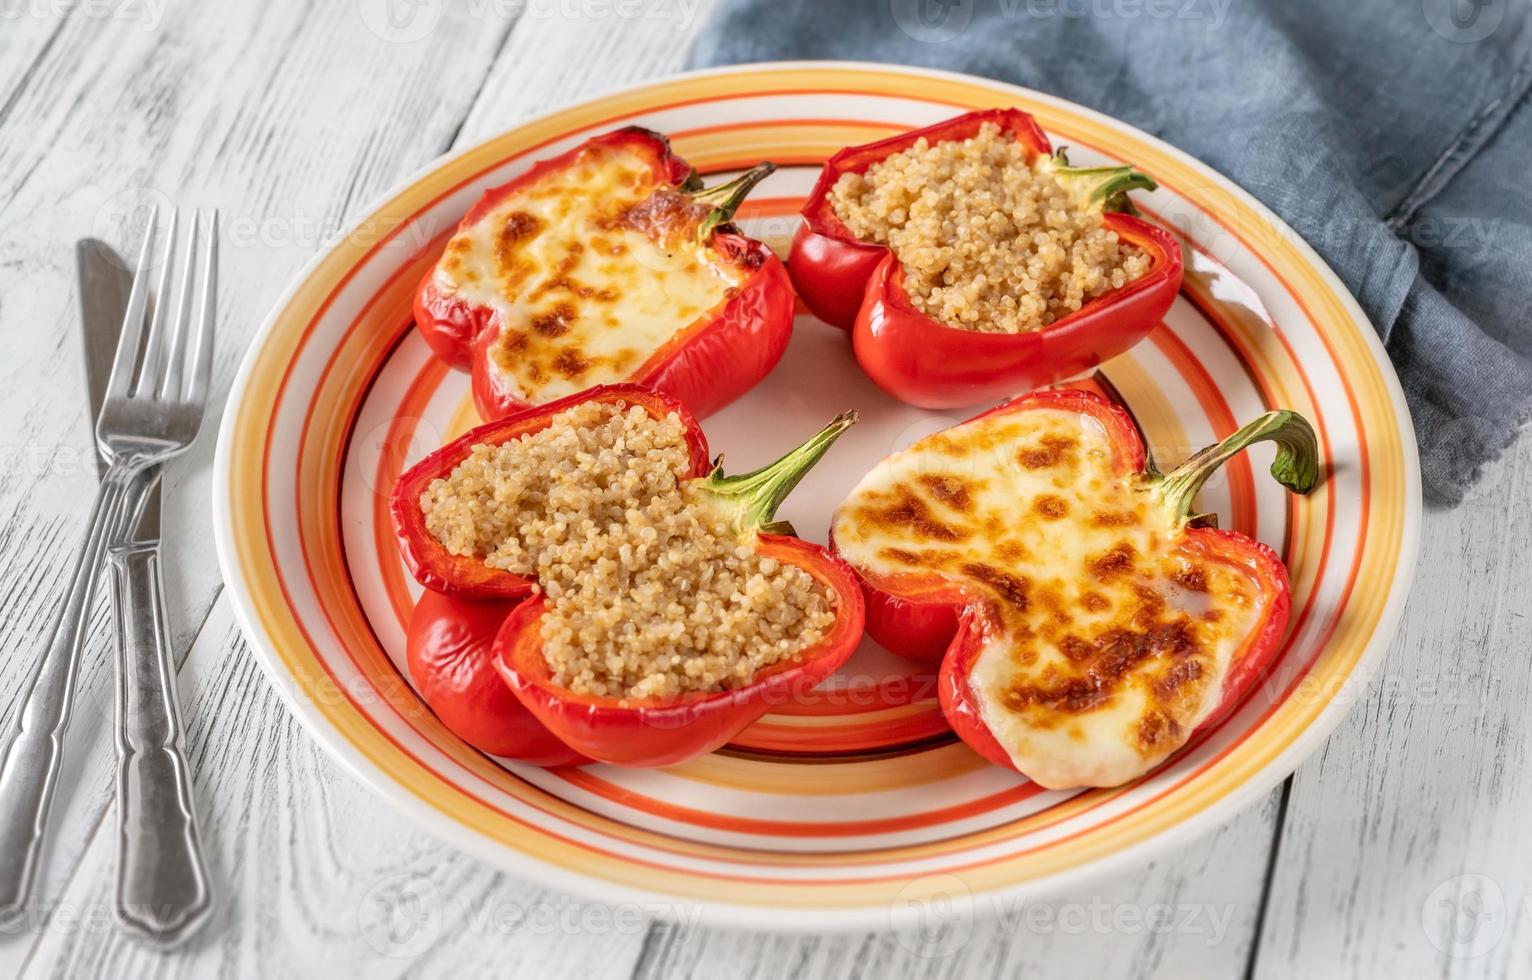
point(651, 732)
point(859, 286)
point(707, 362)
point(905, 602)
point(642, 732)
point(449, 643)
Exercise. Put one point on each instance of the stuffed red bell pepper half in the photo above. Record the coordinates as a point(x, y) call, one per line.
point(449, 648)
point(1092, 620)
point(665, 610)
point(608, 263)
point(971, 262)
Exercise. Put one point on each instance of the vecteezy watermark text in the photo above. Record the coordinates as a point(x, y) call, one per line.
point(409, 21)
point(933, 916)
point(148, 14)
point(404, 914)
point(936, 21)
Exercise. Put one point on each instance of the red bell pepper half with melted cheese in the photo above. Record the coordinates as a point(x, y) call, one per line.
point(1086, 620)
point(608, 263)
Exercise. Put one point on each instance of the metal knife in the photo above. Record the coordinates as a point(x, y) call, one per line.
point(105, 281)
point(164, 899)
point(31, 748)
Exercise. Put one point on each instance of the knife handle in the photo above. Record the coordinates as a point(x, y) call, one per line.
point(163, 891)
point(33, 748)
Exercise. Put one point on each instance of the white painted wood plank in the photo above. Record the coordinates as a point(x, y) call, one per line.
point(1405, 851)
point(563, 51)
point(315, 876)
point(1191, 914)
point(248, 108)
point(25, 36)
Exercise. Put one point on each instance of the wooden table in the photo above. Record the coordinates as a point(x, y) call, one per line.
point(1410, 825)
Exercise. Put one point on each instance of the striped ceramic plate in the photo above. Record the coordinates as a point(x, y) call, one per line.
point(853, 806)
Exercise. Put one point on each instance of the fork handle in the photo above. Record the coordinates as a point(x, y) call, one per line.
point(163, 891)
point(32, 751)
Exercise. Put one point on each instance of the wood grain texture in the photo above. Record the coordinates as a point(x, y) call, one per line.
point(1191, 914)
point(1405, 851)
point(563, 52)
point(247, 109)
point(315, 876)
point(290, 116)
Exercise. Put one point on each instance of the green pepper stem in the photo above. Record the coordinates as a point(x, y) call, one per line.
point(726, 198)
point(753, 498)
point(1100, 187)
point(1296, 466)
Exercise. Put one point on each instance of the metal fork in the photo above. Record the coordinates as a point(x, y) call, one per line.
point(163, 892)
point(153, 408)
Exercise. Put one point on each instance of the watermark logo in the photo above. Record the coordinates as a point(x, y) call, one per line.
point(1464, 21)
point(937, 21)
point(401, 916)
point(121, 219)
point(404, 914)
point(1465, 916)
point(400, 21)
point(932, 21)
point(921, 468)
point(124, 217)
point(681, 14)
point(391, 446)
point(941, 906)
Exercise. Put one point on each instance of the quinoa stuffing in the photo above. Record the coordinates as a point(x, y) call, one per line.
point(650, 591)
point(988, 241)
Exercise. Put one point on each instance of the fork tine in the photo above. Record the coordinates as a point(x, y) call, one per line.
point(202, 359)
point(170, 384)
point(153, 363)
point(126, 358)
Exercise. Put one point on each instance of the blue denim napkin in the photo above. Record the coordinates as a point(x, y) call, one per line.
point(1394, 135)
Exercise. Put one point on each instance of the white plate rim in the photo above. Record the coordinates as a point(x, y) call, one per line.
point(818, 919)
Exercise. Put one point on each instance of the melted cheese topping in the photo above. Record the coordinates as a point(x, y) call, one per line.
point(590, 270)
point(1106, 636)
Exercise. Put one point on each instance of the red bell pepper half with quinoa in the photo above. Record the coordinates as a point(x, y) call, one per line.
point(971, 262)
point(665, 610)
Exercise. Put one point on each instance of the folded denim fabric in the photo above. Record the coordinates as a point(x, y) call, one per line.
point(1393, 135)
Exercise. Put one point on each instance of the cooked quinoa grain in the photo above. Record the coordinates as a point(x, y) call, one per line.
point(988, 241)
point(650, 592)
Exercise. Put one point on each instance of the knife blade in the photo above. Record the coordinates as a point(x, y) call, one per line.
point(105, 282)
